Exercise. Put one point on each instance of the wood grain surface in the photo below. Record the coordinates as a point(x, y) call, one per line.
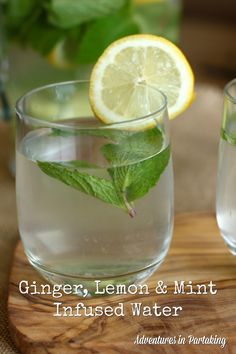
point(197, 253)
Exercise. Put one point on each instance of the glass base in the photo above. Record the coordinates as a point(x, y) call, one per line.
point(90, 288)
point(231, 245)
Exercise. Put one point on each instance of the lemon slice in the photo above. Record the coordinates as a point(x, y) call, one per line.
point(123, 79)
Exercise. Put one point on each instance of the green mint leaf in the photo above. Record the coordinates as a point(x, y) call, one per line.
point(17, 10)
point(145, 175)
point(134, 179)
point(42, 36)
point(103, 32)
point(114, 135)
point(70, 13)
point(228, 130)
point(133, 147)
point(62, 132)
point(94, 186)
point(79, 164)
point(31, 28)
point(72, 24)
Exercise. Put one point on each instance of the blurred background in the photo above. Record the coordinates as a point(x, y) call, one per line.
point(54, 40)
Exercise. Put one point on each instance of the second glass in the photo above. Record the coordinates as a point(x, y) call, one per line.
point(226, 181)
point(94, 201)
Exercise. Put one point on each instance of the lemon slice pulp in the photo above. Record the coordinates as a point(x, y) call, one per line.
point(123, 79)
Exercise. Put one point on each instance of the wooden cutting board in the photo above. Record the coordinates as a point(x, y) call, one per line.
point(197, 253)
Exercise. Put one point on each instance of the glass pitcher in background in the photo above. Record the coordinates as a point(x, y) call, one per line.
point(51, 44)
point(55, 46)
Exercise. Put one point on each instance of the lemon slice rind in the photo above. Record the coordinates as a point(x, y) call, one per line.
point(175, 65)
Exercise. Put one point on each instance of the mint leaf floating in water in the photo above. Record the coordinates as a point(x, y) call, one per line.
point(113, 135)
point(133, 179)
point(94, 186)
point(137, 160)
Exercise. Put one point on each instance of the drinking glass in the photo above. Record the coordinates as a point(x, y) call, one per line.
point(94, 200)
point(226, 179)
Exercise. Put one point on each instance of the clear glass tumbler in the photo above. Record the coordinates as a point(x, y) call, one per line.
point(226, 179)
point(95, 201)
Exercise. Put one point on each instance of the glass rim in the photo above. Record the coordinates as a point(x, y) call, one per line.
point(20, 110)
point(227, 88)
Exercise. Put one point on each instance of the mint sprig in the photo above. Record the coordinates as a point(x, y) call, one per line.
point(84, 28)
point(136, 166)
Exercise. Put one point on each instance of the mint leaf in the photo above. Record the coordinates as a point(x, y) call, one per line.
point(133, 147)
point(70, 13)
point(114, 135)
point(42, 36)
point(145, 175)
point(94, 186)
point(103, 32)
point(134, 179)
point(28, 25)
point(18, 10)
point(79, 164)
point(74, 24)
point(228, 130)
